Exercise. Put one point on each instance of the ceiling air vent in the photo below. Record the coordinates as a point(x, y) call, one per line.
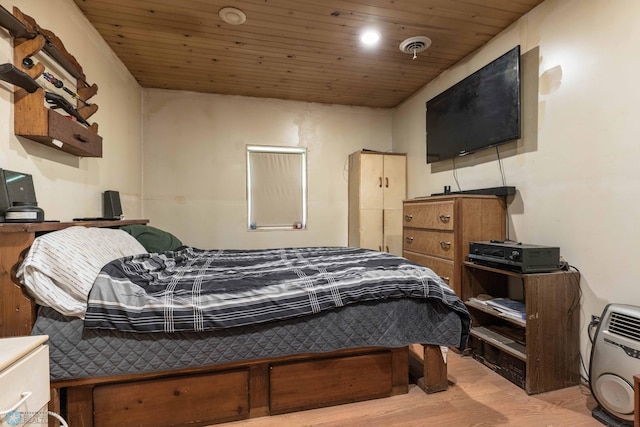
point(413, 45)
point(624, 325)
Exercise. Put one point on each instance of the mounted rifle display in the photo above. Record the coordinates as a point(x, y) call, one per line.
point(57, 83)
point(28, 63)
point(11, 74)
point(37, 105)
point(20, 30)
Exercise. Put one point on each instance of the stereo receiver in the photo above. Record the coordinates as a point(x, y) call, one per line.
point(515, 256)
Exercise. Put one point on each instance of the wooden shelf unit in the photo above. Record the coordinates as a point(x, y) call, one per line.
point(32, 118)
point(539, 353)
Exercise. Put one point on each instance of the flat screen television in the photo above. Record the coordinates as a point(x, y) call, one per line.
point(481, 111)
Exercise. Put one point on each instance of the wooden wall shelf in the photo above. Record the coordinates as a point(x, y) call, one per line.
point(33, 119)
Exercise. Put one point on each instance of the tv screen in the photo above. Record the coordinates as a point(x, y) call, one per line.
point(481, 111)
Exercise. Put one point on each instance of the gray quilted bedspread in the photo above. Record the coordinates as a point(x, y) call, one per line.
point(76, 352)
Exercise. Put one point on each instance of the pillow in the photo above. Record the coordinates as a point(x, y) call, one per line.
point(61, 266)
point(153, 239)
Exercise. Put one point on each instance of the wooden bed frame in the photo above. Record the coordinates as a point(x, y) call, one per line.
point(212, 394)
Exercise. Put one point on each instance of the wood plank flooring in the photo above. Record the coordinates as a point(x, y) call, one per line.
point(476, 396)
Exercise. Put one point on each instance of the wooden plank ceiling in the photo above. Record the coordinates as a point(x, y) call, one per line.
point(301, 50)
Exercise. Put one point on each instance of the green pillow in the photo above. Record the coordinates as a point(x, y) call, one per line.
point(153, 239)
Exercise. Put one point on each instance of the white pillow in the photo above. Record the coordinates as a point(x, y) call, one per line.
point(61, 266)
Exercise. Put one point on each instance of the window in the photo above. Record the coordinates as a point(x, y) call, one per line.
point(276, 187)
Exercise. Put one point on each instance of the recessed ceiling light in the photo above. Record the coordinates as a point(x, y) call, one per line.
point(370, 37)
point(232, 15)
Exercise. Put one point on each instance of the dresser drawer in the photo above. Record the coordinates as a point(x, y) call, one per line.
point(438, 243)
point(27, 379)
point(433, 215)
point(443, 268)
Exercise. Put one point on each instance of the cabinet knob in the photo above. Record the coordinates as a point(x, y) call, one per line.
point(386, 182)
point(445, 279)
point(445, 245)
point(408, 218)
point(380, 182)
point(409, 239)
point(444, 218)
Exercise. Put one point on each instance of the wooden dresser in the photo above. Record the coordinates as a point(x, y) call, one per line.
point(437, 230)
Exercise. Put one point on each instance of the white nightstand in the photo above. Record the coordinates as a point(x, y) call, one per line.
point(24, 381)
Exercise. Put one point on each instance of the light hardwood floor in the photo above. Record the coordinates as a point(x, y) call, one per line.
point(476, 396)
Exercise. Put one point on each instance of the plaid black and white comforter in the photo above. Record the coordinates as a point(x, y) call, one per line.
point(198, 290)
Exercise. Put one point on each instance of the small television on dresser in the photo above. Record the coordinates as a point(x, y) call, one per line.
point(15, 187)
point(481, 111)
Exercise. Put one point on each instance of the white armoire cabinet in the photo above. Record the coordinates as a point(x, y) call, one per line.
point(377, 188)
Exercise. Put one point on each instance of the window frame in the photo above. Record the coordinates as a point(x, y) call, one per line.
point(304, 183)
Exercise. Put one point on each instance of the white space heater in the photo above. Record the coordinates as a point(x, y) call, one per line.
point(615, 359)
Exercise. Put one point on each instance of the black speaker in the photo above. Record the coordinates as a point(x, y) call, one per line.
point(111, 207)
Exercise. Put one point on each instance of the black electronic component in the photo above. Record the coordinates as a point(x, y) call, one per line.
point(17, 188)
point(521, 257)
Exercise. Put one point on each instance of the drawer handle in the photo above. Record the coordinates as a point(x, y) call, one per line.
point(409, 239)
point(80, 137)
point(444, 218)
point(24, 396)
point(380, 182)
point(386, 182)
point(408, 218)
point(445, 245)
point(387, 248)
point(446, 279)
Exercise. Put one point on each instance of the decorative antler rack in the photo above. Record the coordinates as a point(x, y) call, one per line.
point(71, 133)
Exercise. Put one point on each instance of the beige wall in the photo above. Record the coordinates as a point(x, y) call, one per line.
point(577, 167)
point(195, 163)
point(68, 186)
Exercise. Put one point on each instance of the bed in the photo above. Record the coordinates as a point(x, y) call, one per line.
point(340, 334)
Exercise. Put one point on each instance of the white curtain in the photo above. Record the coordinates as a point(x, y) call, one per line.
point(276, 189)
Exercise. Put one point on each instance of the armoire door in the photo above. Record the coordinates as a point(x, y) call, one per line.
point(393, 231)
point(371, 181)
point(394, 182)
point(371, 236)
